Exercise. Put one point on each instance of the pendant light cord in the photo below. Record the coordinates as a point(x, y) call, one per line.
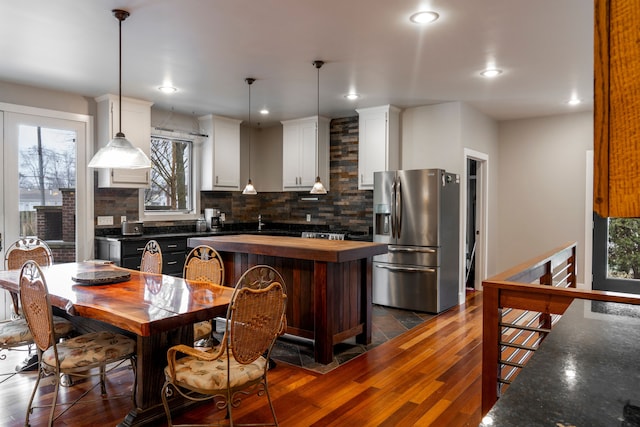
point(121, 15)
point(250, 81)
point(120, 75)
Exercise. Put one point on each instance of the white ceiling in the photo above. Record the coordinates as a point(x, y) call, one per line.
point(206, 48)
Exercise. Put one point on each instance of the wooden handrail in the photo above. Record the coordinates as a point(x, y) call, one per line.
point(515, 288)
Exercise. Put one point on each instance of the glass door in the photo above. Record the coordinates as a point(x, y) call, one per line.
point(44, 171)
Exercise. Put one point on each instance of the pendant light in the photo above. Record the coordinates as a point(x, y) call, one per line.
point(119, 152)
point(249, 189)
point(318, 188)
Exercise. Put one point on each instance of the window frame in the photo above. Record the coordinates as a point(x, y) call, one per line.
point(192, 214)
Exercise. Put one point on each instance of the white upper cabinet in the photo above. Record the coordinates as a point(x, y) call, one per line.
point(136, 126)
point(220, 159)
point(302, 158)
point(379, 142)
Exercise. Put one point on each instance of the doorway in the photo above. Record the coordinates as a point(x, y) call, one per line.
point(44, 180)
point(474, 241)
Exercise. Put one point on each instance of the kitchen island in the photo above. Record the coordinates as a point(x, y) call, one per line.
point(328, 282)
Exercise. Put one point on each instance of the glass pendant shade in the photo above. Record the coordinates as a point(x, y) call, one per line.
point(249, 189)
point(318, 188)
point(120, 153)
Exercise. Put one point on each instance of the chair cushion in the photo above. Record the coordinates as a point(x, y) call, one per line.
point(204, 375)
point(201, 330)
point(90, 349)
point(16, 332)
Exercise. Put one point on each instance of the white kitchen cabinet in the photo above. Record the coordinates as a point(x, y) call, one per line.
point(379, 142)
point(220, 154)
point(304, 158)
point(136, 126)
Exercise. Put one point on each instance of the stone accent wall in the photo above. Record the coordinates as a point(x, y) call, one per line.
point(343, 208)
point(115, 202)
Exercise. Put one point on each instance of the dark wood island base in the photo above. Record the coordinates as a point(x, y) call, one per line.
point(328, 282)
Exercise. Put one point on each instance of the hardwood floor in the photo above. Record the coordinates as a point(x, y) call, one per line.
point(428, 376)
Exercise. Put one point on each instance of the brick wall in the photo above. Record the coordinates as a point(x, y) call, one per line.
point(68, 214)
point(49, 222)
point(57, 226)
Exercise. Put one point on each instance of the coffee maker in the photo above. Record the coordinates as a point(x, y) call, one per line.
point(216, 222)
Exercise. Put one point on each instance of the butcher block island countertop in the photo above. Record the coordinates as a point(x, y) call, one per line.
point(293, 247)
point(328, 282)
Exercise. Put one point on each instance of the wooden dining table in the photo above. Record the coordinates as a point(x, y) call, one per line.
point(158, 310)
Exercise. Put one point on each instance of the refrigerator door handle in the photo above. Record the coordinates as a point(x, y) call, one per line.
point(393, 209)
point(398, 208)
point(412, 250)
point(408, 269)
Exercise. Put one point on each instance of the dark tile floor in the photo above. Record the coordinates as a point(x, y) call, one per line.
point(387, 323)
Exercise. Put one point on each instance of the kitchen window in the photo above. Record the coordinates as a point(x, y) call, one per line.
point(171, 190)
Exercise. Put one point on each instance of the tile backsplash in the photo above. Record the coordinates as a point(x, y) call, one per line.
point(343, 208)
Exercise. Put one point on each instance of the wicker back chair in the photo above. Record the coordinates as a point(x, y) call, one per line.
point(239, 365)
point(25, 249)
point(204, 264)
point(22, 250)
point(107, 350)
point(15, 334)
point(151, 261)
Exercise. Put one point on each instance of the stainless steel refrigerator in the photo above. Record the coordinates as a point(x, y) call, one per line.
point(417, 213)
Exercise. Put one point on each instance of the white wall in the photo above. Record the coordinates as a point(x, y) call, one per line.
point(47, 99)
point(431, 137)
point(542, 177)
point(480, 133)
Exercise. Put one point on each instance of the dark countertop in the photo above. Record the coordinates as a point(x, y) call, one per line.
point(275, 229)
point(585, 373)
point(149, 236)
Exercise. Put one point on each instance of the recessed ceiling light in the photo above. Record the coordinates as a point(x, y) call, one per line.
point(352, 96)
point(574, 101)
point(167, 89)
point(492, 72)
point(424, 17)
point(264, 111)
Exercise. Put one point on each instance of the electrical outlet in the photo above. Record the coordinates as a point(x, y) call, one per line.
point(308, 217)
point(123, 218)
point(105, 220)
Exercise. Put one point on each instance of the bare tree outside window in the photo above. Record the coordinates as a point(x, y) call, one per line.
point(47, 163)
point(47, 159)
point(170, 176)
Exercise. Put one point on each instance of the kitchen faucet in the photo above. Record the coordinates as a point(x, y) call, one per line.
point(260, 223)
